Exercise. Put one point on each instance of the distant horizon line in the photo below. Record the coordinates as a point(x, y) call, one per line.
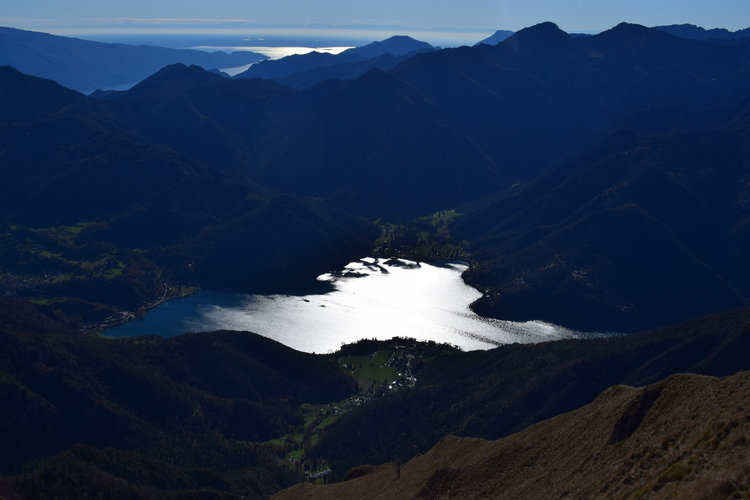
point(312, 35)
point(196, 23)
point(228, 25)
point(308, 35)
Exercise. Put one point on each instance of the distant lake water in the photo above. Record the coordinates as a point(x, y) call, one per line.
point(270, 52)
point(370, 298)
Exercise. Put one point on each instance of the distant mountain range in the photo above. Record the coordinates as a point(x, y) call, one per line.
point(592, 132)
point(305, 70)
point(692, 32)
point(496, 37)
point(687, 31)
point(86, 66)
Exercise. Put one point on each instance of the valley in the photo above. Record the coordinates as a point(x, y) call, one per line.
point(597, 182)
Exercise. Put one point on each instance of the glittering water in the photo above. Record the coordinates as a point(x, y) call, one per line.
point(270, 52)
point(370, 298)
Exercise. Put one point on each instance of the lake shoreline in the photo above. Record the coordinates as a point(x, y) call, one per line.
point(372, 297)
point(187, 290)
point(128, 316)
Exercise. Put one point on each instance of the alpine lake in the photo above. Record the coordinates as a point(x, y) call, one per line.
point(372, 298)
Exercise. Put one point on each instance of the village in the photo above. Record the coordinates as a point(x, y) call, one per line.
point(380, 368)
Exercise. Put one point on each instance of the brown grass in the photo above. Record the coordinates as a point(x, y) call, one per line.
point(684, 437)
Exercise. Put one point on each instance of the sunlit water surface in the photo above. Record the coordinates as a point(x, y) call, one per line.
point(371, 298)
point(270, 52)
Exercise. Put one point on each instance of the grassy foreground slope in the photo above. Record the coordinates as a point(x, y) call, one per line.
point(154, 418)
point(685, 437)
point(491, 394)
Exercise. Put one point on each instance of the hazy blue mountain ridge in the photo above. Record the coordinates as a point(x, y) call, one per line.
point(275, 69)
point(304, 70)
point(398, 45)
point(85, 66)
point(698, 33)
point(345, 71)
point(497, 37)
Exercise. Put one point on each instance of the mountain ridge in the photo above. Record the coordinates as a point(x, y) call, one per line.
point(86, 66)
point(627, 442)
point(627, 175)
point(694, 32)
point(492, 394)
point(304, 70)
point(456, 127)
point(66, 216)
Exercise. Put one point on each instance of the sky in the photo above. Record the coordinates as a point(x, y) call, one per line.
point(57, 16)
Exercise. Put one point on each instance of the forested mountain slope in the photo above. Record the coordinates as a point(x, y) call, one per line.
point(97, 218)
point(148, 416)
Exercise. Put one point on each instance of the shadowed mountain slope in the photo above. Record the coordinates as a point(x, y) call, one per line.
point(640, 230)
point(540, 86)
point(185, 410)
point(345, 71)
point(24, 98)
point(148, 416)
point(404, 159)
point(684, 437)
point(202, 115)
point(90, 205)
point(486, 113)
point(694, 32)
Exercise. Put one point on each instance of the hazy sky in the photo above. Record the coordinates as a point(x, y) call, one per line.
point(570, 15)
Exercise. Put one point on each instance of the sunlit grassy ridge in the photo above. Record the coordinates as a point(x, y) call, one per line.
point(685, 437)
